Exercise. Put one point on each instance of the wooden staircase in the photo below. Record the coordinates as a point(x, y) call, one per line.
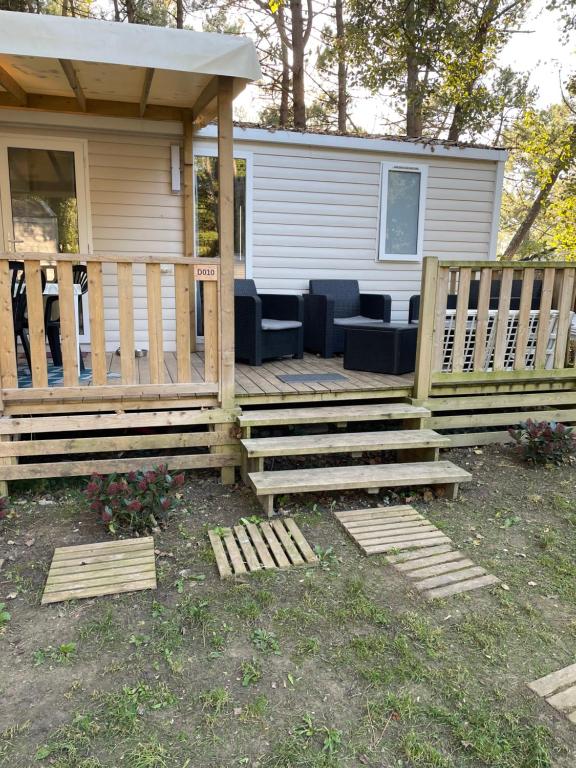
point(417, 451)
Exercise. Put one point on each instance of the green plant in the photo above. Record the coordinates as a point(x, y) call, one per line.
point(544, 442)
point(137, 502)
point(5, 616)
point(251, 672)
point(63, 654)
point(216, 700)
point(326, 557)
point(265, 641)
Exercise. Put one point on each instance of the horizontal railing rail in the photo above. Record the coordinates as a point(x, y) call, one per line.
point(103, 269)
point(493, 320)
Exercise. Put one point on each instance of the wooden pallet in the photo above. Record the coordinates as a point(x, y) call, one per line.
point(337, 414)
point(559, 690)
point(93, 570)
point(248, 548)
point(424, 553)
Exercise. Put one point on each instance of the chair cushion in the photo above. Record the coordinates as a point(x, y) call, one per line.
point(270, 324)
point(357, 320)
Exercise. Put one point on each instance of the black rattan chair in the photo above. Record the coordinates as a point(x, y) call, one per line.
point(267, 325)
point(332, 304)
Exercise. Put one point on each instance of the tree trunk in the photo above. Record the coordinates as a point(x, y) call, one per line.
point(413, 93)
point(179, 14)
point(341, 51)
point(298, 88)
point(130, 12)
point(284, 113)
point(116, 11)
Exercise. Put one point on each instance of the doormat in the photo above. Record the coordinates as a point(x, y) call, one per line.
point(559, 690)
point(93, 570)
point(250, 547)
point(303, 378)
point(417, 549)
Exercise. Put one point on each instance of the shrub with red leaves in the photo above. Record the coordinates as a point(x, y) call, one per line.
point(134, 503)
point(544, 442)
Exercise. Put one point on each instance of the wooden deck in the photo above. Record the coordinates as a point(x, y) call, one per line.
point(262, 384)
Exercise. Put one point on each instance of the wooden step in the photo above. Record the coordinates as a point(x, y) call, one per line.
point(373, 477)
point(338, 414)
point(344, 442)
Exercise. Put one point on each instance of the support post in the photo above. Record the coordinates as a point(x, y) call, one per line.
point(424, 356)
point(226, 243)
point(189, 218)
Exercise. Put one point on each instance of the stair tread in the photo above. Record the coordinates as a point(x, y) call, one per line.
point(344, 442)
point(360, 476)
point(331, 414)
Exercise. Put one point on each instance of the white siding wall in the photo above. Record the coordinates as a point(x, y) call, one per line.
point(316, 215)
point(315, 212)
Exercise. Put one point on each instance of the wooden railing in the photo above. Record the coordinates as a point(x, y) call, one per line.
point(490, 321)
point(126, 383)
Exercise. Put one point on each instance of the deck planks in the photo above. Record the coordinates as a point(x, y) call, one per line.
point(107, 568)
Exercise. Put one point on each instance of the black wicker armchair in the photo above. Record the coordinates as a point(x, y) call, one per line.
point(333, 304)
point(268, 325)
point(414, 303)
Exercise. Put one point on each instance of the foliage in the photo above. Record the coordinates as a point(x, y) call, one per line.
point(544, 442)
point(5, 616)
point(3, 507)
point(265, 641)
point(135, 503)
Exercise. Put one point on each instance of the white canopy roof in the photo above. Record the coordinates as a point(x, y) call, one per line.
point(109, 61)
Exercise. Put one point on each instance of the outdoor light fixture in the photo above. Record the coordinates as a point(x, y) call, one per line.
point(175, 167)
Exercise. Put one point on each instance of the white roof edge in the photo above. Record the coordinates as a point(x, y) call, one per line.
point(136, 45)
point(362, 143)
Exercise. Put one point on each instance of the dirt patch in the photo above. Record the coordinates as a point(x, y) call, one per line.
point(338, 665)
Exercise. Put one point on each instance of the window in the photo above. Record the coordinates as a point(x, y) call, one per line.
point(206, 173)
point(402, 203)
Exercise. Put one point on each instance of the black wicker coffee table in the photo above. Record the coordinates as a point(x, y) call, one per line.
point(383, 348)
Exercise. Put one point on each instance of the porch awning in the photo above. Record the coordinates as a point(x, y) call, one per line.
point(51, 62)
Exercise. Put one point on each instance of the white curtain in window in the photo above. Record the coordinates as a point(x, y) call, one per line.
point(402, 212)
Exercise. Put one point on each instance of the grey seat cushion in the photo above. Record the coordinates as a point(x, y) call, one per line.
point(357, 320)
point(269, 324)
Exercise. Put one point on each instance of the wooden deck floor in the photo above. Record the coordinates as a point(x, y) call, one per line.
point(262, 384)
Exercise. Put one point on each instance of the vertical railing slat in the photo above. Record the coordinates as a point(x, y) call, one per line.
point(183, 346)
point(423, 372)
point(461, 319)
point(155, 330)
point(36, 329)
point(211, 346)
point(97, 334)
point(126, 316)
point(440, 318)
point(544, 318)
point(523, 319)
point(564, 308)
point(502, 319)
point(69, 342)
point(8, 366)
point(482, 319)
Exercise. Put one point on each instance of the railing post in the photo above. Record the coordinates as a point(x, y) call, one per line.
point(423, 373)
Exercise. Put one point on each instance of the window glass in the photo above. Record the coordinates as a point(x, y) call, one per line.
point(44, 203)
point(402, 212)
point(207, 206)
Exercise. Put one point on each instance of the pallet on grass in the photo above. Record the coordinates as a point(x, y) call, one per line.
point(559, 690)
point(249, 547)
point(94, 570)
point(416, 548)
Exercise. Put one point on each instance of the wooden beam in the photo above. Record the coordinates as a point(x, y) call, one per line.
point(148, 77)
point(102, 107)
point(205, 107)
point(189, 220)
point(14, 89)
point(72, 78)
point(426, 320)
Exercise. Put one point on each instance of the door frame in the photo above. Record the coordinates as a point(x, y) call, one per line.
point(33, 141)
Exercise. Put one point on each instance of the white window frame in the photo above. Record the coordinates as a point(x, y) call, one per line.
point(386, 167)
point(201, 150)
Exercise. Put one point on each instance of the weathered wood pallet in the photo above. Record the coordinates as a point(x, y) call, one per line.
point(341, 414)
point(417, 549)
point(107, 568)
point(559, 690)
point(248, 548)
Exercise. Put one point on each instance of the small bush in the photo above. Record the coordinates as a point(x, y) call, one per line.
point(544, 442)
point(137, 502)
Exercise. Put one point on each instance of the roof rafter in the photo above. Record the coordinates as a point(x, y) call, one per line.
point(205, 106)
point(14, 89)
point(148, 77)
point(72, 78)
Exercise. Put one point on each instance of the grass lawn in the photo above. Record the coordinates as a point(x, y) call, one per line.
point(339, 665)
